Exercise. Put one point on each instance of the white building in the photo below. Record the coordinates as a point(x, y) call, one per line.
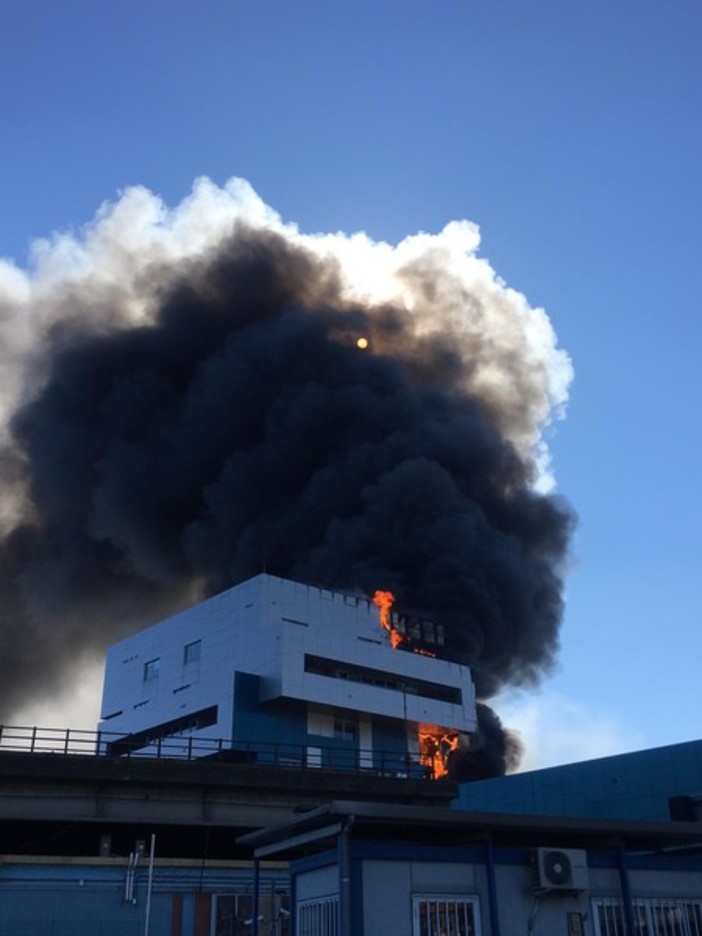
point(288, 671)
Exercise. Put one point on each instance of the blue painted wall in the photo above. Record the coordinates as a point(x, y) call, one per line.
point(624, 786)
point(390, 745)
point(68, 897)
point(266, 726)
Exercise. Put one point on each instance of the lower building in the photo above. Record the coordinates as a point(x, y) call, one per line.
point(368, 870)
point(133, 896)
point(283, 850)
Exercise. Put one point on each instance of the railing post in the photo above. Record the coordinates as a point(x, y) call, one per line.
point(34, 738)
point(66, 742)
point(190, 747)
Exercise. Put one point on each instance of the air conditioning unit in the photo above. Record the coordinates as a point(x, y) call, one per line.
point(561, 869)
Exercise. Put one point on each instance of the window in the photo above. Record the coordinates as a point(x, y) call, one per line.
point(445, 915)
point(233, 913)
point(652, 917)
point(344, 729)
point(418, 630)
point(318, 917)
point(191, 652)
point(151, 669)
point(335, 669)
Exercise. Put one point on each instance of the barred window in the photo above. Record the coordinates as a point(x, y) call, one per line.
point(445, 915)
point(652, 917)
point(232, 914)
point(318, 917)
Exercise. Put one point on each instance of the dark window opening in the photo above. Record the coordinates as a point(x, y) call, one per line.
point(334, 669)
point(417, 629)
point(192, 652)
point(113, 715)
point(141, 739)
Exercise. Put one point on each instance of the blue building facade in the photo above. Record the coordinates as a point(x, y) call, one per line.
point(638, 785)
point(115, 896)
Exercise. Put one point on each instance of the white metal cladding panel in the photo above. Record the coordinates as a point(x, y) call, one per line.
point(236, 632)
point(298, 639)
point(318, 882)
point(665, 883)
point(387, 907)
point(443, 877)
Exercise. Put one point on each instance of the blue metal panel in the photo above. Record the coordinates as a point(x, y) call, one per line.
point(390, 743)
point(67, 898)
point(265, 724)
point(624, 786)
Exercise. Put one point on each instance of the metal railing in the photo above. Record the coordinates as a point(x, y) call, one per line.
point(317, 757)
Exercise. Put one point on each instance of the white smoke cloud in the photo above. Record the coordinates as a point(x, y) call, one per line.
point(77, 707)
point(107, 273)
point(556, 729)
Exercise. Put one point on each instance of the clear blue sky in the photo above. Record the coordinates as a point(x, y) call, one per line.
point(569, 131)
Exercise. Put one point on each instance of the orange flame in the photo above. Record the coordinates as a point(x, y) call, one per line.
point(385, 600)
point(435, 744)
point(435, 748)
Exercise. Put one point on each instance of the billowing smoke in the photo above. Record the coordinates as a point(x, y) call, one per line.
point(186, 403)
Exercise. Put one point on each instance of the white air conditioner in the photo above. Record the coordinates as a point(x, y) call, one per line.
point(563, 869)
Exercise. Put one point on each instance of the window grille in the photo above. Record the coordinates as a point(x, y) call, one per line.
point(652, 917)
point(232, 914)
point(445, 915)
point(318, 917)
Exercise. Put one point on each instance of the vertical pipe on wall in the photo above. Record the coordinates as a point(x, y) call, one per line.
point(626, 891)
point(149, 886)
point(256, 885)
point(492, 887)
point(128, 886)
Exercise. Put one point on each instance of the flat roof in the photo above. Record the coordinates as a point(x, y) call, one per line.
point(437, 825)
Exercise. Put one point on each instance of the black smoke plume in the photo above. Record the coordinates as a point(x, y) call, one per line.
point(232, 423)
